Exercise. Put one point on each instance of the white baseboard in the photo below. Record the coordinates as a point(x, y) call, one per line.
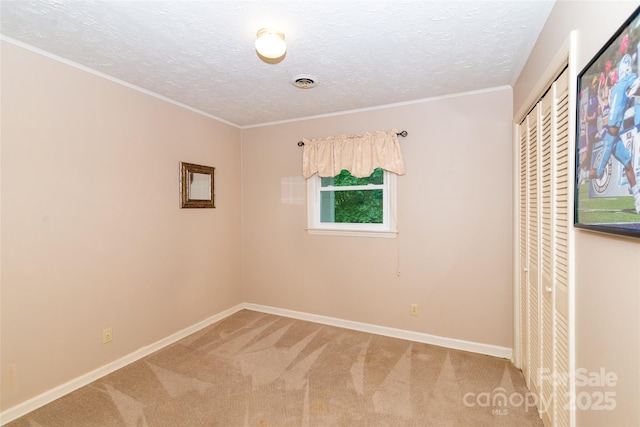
point(474, 347)
point(66, 388)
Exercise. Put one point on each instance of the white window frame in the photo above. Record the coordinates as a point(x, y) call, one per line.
point(386, 229)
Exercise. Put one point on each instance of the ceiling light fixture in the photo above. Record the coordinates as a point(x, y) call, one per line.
point(270, 43)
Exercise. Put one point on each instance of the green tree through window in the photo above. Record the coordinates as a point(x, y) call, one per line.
point(342, 201)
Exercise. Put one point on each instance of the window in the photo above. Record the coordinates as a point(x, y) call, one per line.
point(347, 205)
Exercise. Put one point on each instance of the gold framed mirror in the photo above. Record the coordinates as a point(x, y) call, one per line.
point(196, 186)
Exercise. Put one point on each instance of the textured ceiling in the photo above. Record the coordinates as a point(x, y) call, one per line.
point(364, 53)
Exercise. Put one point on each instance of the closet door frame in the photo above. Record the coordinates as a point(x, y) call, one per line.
point(566, 57)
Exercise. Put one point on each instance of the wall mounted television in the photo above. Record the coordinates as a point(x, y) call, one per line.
point(607, 178)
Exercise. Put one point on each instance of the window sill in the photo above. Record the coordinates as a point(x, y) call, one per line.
point(355, 233)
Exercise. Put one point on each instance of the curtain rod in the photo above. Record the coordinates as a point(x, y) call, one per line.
point(403, 134)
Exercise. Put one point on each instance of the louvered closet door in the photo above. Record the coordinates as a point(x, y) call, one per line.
point(523, 248)
point(544, 252)
point(547, 364)
point(533, 251)
point(561, 213)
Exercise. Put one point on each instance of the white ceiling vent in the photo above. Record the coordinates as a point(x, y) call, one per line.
point(304, 81)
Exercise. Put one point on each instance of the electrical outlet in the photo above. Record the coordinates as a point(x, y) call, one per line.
point(414, 309)
point(107, 335)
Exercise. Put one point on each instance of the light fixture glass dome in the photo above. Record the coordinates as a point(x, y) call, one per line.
point(270, 43)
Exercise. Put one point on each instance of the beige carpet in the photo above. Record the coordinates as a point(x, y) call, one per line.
point(255, 369)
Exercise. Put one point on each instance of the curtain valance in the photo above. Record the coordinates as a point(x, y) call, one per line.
point(359, 154)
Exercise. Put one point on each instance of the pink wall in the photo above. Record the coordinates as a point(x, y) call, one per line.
point(607, 279)
point(454, 249)
point(92, 232)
